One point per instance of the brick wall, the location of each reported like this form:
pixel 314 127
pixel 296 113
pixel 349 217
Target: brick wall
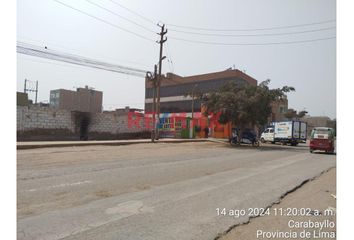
pixel 114 123
pixel 46 123
pixel 36 117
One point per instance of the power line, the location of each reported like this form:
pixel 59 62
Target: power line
pixel 118 15
pixel 51 52
pixel 169 56
pixel 63 47
pixel 49 61
pixel 211 29
pixel 75 59
pixel 255 35
pixel 104 21
pixel 252 29
pixel 252 44
pixel 135 13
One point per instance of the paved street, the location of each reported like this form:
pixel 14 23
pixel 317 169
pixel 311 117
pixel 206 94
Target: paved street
pixel 319 194
pixel 152 191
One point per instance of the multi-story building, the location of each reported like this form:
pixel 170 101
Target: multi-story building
pixel 82 100
pixel 279 108
pixel 176 91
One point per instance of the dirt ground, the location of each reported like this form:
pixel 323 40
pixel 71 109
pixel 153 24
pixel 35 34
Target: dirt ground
pixel 319 194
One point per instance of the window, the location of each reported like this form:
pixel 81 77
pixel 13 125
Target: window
pixel 54 95
pixel 322 131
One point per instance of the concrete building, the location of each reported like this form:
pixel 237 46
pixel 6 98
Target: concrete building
pixel 22 99
pixel 127 109
pixel 175 89
pixel 318 121
pixel 82 100
pixel 279 108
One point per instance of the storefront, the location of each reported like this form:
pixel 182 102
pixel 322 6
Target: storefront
pixel 175 125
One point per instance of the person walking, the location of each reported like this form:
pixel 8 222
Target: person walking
pixel 206 132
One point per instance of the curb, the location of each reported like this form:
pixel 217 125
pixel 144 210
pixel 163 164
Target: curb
pixel 102 143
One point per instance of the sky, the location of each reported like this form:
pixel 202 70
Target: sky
pixel 310 67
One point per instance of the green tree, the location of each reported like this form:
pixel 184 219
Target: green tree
pixel 293 114
pixel 244 105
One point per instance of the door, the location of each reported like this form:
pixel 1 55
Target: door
pixel 269 135
pixel 84 124
pixel 303 131
pixel 296 130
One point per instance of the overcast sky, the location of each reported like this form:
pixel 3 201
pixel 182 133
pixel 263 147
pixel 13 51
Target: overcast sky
pixel 310 67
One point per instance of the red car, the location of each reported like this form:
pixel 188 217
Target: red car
pixel 322 139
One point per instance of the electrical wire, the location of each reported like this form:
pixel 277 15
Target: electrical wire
pixel 73 56
pixel 135 13
pixel 104 21
pixel 253 29
pixel 118 15
pixel 249 29
pixel 254 35
pixel 78 60
pixel 251 44
pixel 169 56
pixel 63 47
pixel 49 61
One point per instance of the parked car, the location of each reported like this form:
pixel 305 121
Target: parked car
pixel 248 137
pixel 322 138
pixel 287 132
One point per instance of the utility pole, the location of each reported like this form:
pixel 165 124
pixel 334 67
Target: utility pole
pixel 29 89
pixel 159 77
pixel 153 79
pixel 154 82
pixel 192 122
pixel 24 89
pixel 36 91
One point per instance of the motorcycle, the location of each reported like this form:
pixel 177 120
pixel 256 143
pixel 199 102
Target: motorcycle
pixel 248 137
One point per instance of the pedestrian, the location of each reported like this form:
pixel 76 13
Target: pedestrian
pixel 206 132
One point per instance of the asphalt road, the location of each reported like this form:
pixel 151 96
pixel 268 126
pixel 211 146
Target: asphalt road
pixel 318 194
pixel 152 191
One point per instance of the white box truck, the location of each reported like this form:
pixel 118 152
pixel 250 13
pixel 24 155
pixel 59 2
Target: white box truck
pixel 292 132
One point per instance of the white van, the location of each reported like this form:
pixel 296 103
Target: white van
pixel 292 132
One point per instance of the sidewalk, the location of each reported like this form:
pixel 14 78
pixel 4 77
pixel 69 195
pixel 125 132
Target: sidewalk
pixel 45 144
